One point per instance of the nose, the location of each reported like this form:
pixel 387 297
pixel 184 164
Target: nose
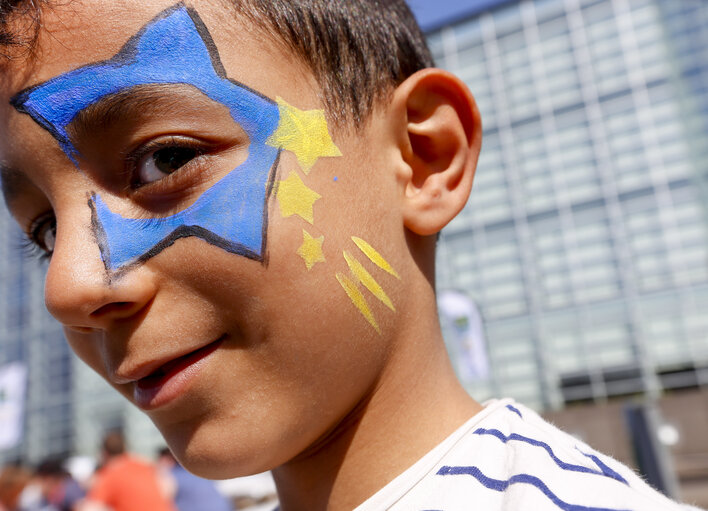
pixel 80 293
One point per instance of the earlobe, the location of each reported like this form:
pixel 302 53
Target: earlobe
pixel 439 148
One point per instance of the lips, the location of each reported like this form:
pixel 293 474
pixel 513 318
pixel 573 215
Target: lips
pixel 171 380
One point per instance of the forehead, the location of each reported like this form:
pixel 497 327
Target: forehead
pixel 78 32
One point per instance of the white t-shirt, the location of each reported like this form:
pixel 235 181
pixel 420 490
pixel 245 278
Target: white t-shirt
pixel 507 458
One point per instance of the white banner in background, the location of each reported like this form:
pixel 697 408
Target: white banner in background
pixel 462 320
pixel 13 384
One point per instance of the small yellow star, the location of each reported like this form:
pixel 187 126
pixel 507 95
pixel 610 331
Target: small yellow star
pixel 311 249
pixel 295 198
pixel 304 133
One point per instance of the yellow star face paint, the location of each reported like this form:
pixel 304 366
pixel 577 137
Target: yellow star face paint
pixel 295 198
pixel 304 133
pixel 311 249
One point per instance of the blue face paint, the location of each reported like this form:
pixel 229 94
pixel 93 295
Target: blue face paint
pixel 174 48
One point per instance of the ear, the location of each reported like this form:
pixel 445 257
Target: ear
pixel 439 144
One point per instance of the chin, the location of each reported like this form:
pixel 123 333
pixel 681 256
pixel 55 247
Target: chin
pixel 210 467
pixel 212 453
pixel 217 462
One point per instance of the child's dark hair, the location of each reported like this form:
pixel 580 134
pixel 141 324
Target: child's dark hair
pixel 358 50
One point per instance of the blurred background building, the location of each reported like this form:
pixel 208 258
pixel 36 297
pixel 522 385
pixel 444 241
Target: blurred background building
pixel 584 246
pixel 585 242
pixel 67 408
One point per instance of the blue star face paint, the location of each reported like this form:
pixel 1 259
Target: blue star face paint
pixel 174 48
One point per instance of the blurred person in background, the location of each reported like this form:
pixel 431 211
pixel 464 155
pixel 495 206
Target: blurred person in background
pixel 60 491
pixel 13 480
pixel 125 482
pixel 191 493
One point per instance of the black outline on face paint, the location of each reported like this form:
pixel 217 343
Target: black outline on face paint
pixel 186 231
pixel 127 52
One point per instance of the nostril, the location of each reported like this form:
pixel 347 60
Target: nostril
pixel 112 308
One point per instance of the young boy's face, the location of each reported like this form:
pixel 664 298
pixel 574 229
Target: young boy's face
pixel 222 256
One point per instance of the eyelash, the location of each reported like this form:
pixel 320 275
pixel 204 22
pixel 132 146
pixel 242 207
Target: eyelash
pixel 30 244
pixel 32 250
pixel 133 158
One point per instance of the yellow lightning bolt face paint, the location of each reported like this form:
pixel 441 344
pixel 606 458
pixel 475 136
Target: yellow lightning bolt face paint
pixel 357 299
pixel 304 133
pixel 311 249
pixel 295 198
pixel 374 256
pixel 367 280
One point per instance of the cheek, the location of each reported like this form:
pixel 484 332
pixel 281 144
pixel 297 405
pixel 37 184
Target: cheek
pixel 322 350
pixel 87 349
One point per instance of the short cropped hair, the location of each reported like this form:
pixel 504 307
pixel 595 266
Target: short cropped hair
pixel 357 50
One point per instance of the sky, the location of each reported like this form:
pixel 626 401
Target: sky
pixel 433 13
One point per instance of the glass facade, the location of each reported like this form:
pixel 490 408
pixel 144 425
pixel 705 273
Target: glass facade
pixel 585 241
pixel 68 407
pixel 29 335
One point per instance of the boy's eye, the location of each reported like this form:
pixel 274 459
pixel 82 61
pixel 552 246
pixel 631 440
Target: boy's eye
pixel 160 163
pixel 44 232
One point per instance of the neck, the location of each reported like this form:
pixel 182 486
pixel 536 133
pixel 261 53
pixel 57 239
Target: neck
pixel 415 405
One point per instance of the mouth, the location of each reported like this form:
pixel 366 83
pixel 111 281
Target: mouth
pixel 171 380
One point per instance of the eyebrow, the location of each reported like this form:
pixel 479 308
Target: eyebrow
pixel 129 104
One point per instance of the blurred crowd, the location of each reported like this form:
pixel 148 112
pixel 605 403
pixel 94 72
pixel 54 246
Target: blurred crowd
pixel 120 482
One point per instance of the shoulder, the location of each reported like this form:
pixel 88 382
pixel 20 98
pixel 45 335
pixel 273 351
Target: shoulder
pixel 508 458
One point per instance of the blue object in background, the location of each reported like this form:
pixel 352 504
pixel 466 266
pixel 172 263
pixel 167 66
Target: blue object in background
pixel 197 494
pixel 434 14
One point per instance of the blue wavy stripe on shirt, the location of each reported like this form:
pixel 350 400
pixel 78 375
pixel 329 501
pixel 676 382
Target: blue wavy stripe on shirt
pixel 562 464
pixel 605 469
pixel 515 410
pixel 501 485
